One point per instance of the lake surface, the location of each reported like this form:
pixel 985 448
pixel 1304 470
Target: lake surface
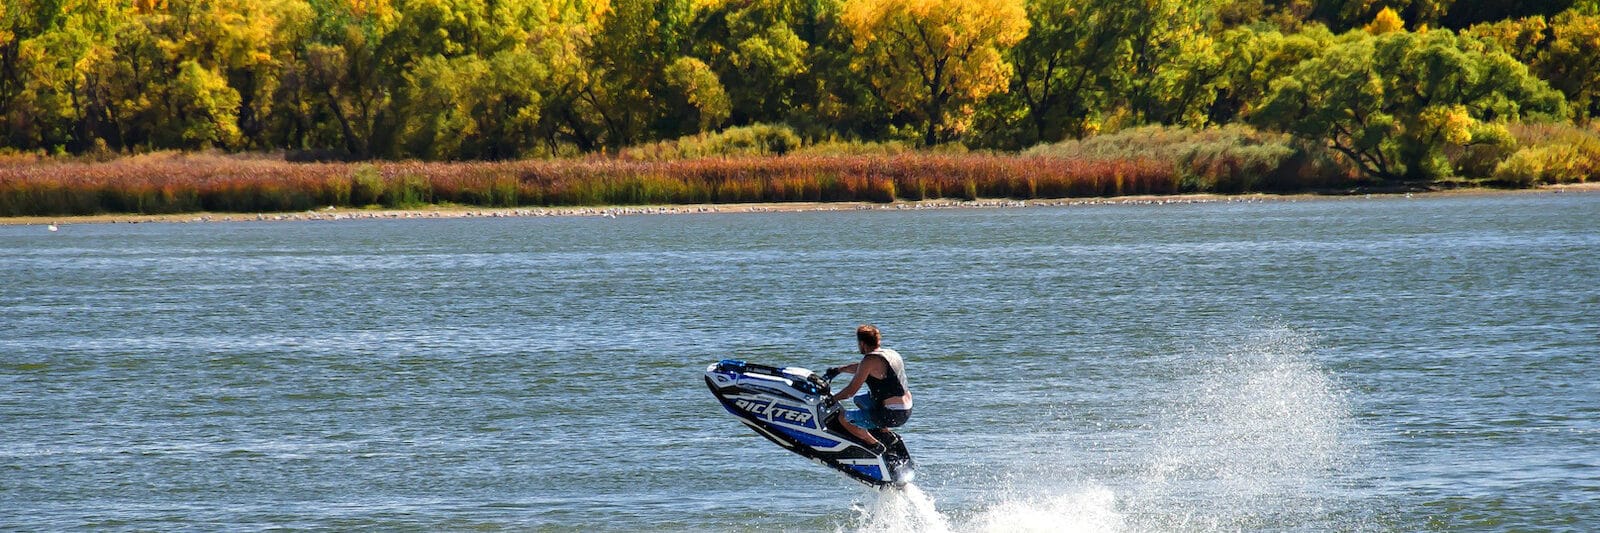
pixel 1353 364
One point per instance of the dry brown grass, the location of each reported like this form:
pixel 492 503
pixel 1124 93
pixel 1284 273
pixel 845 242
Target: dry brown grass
pixel 177 183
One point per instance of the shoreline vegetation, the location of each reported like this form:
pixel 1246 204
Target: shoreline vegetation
pixel 290 106
pixel 452 211
pixel 766 165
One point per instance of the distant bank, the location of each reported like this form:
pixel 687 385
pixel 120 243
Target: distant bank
pixel 180 184
pixel 331 214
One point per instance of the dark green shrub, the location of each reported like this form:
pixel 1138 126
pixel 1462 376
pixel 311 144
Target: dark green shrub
pixel 752 140
pixel 408 190
pixel 367 187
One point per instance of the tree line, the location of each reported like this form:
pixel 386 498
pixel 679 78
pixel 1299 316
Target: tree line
pixel 1393 85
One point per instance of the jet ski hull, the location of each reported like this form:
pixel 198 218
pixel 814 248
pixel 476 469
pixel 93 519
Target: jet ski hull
pixel 791 407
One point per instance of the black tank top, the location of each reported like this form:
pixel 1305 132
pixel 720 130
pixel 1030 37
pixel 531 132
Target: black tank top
pixel 887 387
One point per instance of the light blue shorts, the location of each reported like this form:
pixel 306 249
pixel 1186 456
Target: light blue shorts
pixel 873 415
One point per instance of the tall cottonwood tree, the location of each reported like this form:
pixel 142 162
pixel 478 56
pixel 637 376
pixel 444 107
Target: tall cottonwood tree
pixel 1172 61
pixel 53 54
pixel 474 78
pixel 1094 64
pixel 759 49
pixel 619 100
pixel 935 59
pixel 346 80
pixel 1067 66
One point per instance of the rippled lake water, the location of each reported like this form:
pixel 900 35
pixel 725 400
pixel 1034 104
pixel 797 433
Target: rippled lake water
pixel 1345 364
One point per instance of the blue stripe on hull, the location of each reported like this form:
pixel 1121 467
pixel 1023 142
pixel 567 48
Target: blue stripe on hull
pixel 806 438
pixel 869 471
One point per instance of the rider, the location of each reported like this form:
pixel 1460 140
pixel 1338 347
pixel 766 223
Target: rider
pixel 887 402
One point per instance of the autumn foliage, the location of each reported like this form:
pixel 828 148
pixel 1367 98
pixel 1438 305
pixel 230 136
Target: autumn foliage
pixel 935 59
pixel 617 94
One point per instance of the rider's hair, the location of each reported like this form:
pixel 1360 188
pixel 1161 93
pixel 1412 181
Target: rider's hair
pixel 868 335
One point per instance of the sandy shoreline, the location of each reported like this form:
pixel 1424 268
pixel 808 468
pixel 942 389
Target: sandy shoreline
pixel 451 212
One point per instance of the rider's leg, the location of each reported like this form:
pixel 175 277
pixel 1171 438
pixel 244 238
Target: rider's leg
pixel 859 421
pixel 860 434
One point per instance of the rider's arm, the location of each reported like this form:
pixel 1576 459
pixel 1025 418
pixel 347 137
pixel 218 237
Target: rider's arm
pixel 858 376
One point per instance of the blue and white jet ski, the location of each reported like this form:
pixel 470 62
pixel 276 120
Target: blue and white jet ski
pixel 791 407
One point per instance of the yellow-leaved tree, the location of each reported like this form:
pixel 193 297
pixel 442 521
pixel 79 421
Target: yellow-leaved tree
pixel 935 59
pixel 1572 61
pixel 1386 21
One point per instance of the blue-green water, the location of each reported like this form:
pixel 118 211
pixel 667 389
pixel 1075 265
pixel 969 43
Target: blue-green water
pixel 1353 364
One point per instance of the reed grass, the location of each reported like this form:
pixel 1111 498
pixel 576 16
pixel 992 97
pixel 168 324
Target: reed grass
pixel 1230 159
pixel 1550 153
pixel 178 183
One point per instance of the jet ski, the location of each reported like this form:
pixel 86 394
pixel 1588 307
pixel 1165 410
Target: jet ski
pixel 791 407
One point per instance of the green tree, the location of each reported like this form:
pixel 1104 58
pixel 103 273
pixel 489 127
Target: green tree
pixel 834 98
pixel 277 30
pixel 237 41
pixel 568 116
pixel 64 75
pixel 1103 64
pixel 508 104
pixel 344 79
pixel 1067 67
pixel 1393 102
pixel 1252 59
pixel 472 80
pixel 759 50
pixel 698 101
pixel 205 106
pixel 615 102
pixel 1173 62
pixel 19 22
pixel 438 115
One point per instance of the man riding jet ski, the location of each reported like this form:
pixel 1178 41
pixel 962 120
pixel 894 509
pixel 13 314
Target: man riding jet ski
pixel 793 407
pixel 887 402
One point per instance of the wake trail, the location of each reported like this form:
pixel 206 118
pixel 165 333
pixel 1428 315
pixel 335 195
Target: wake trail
pixel 1249 432
pixel 902 509
pixel 909 509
